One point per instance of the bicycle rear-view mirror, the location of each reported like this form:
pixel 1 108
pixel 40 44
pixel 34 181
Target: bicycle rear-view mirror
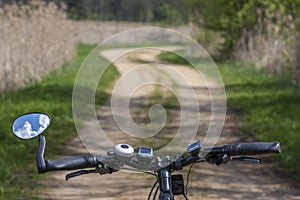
pixel 30 125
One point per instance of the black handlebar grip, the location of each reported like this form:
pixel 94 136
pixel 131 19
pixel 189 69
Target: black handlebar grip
pixel 72 163
pixel 254 148
pixel 40 161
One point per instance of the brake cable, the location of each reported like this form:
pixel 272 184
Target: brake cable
pixel 149 196
pixel 155 192
pixel 188 178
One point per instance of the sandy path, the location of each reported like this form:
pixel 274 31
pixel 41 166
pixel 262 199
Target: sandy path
pixel 231 181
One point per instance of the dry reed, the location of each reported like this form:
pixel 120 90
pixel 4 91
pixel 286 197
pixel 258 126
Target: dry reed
pixel 271 47
pixel 34 39
pixel 263 50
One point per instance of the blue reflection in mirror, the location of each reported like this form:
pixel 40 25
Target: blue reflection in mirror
pixel 30 125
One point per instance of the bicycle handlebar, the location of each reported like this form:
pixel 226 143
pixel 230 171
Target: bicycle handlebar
pixel 254 148
pixel 40 161
pixel 72 163
pixel 91 161
pixel 244 149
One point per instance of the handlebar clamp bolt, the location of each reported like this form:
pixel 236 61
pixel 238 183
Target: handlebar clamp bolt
pixel 110 153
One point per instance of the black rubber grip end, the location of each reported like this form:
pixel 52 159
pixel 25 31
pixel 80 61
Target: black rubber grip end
pixel 254 148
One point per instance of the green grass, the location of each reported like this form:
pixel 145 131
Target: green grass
pixel 52 95
pixel 271 109
pixel 269 106
pixel 172 57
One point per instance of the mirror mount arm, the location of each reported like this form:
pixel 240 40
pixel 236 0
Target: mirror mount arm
pixel 40 161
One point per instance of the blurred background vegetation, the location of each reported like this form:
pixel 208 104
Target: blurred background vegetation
pixel 169 11
pixel 254 42
pixel 261 32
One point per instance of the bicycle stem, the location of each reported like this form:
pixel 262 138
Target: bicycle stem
pixel 165 185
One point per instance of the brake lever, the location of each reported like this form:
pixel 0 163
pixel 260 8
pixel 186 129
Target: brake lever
pixel 248 159
pixel 79 173
pixel 218 160
pixel 101 169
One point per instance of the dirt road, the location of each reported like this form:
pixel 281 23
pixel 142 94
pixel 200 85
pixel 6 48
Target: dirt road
pixel 231 181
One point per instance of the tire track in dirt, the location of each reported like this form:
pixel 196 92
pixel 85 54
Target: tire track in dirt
pixel 232 181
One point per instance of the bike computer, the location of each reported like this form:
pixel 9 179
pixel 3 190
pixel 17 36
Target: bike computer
pixel 194 147
pixel 145 153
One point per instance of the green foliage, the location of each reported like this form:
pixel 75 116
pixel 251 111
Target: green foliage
pixel 172 57
pixel 231 18
pixel 169 15
pixel 52 95
pixel 168 12
pixel 76 9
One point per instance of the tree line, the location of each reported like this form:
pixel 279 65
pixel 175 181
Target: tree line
pixel 263 32
pixel 165 11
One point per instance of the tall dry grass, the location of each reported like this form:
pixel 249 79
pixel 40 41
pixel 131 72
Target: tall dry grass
pixel 34 39
pixel 270 46
pixel 261 49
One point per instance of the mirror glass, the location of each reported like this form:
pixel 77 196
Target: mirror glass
pixel 30 125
